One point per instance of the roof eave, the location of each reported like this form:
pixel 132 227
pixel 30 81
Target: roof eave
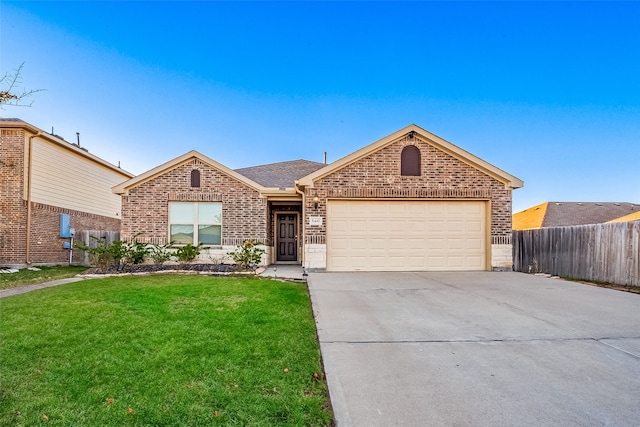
pixel 64 144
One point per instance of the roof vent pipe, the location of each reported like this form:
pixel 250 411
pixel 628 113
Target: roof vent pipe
pixel 325 157
pixel 78 137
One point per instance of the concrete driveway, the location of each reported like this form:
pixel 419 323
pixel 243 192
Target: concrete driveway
pixel 477 348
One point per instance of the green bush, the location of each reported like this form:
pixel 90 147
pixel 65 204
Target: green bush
pixel 189 252
pixel 102 255
pixel 247 255
pixel 160 253
pixel 116 253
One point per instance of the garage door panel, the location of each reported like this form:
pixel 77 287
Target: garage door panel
pixel 377 243
pixel 474 244
pixel 358 244
pixel 338 226
pixel 338 243
pixel 377 227
pixel 418 226
pixel 405 235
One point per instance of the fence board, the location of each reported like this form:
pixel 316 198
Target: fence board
pixel 89 238
pixel 599 252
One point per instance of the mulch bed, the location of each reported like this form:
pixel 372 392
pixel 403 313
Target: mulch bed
pixel 153 268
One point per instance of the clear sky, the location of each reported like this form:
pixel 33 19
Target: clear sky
pixel 548 91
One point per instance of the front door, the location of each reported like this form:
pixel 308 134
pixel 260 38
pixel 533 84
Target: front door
pixel 287 237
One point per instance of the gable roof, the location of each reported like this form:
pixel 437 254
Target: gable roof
pixel 124 187
pixel 282 174
pixel 532 217
pixel 434 140
pixel 559 214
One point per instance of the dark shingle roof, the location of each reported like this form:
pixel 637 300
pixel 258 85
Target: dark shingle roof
pixel 577 213
pixel 282 174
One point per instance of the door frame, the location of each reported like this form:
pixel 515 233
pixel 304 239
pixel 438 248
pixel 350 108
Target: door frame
pixel 276 236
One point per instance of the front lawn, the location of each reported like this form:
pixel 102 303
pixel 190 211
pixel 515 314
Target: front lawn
pixel 163 351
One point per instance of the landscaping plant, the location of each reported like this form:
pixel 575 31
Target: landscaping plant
pixel 247 255
pixel 189 252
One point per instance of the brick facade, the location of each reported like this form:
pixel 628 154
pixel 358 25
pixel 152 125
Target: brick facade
pixel 13 210
pixel 444 177
pixel 145 208
pixel 46 243
pixel 378 175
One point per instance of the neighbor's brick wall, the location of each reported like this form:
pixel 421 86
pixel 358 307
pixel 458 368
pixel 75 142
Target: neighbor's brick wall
pixel 46 243
pixel 13 211
pixel 443 177
pixel 145 209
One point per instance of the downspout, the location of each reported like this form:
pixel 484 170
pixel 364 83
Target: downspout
pixel 28 231
pixel 304 209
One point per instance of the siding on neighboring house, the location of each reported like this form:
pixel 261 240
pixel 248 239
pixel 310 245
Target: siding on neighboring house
pixel 64 178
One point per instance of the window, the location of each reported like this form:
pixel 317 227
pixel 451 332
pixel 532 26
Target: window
pixel 195 223
pixel 410 161
pixel 195 178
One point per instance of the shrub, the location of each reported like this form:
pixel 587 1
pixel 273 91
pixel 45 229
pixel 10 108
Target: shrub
pixel 189 252
pixel 160 253
pixel 247 255
pixel 116 253
pixel 101 255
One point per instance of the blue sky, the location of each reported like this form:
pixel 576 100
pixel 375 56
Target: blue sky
pixel 548 91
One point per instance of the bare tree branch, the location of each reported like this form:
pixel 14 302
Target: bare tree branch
pixel 9 92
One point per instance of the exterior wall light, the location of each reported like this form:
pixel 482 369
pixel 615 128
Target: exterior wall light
pixel 316 199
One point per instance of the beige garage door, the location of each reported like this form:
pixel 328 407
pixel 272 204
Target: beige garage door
pixel 405 235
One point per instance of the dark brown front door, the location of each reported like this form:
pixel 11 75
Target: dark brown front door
pixel 287 237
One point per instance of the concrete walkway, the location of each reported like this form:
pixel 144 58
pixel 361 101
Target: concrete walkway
pixel 284 271
pixel 477 349
pixel 29 288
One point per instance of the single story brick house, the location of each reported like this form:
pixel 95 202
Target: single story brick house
pixel 410 201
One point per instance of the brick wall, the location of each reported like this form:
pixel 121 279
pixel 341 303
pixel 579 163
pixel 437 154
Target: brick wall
pixel 46 243
pixel 13 212
pixel 145 209
pixel 443 177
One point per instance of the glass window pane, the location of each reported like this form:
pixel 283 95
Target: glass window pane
pixel 210 213
pixel 182 234
pixel 181 213
pixel 209 234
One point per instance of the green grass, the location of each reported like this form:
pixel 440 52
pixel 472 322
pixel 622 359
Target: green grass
pixel 177 350
pixel 27 277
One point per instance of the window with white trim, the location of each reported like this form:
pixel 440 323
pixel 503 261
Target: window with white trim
pixel 195 223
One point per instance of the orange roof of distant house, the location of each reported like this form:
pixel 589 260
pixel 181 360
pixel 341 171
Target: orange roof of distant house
pixel 560 214
pixel 635 216
pixel 530 218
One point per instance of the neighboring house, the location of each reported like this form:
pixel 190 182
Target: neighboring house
pixel 559 214
pixel 628 218
pixel 410 201
pixel 48 186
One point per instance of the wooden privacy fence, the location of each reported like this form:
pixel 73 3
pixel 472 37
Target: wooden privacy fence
pixel 599 252
pixel 84 237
